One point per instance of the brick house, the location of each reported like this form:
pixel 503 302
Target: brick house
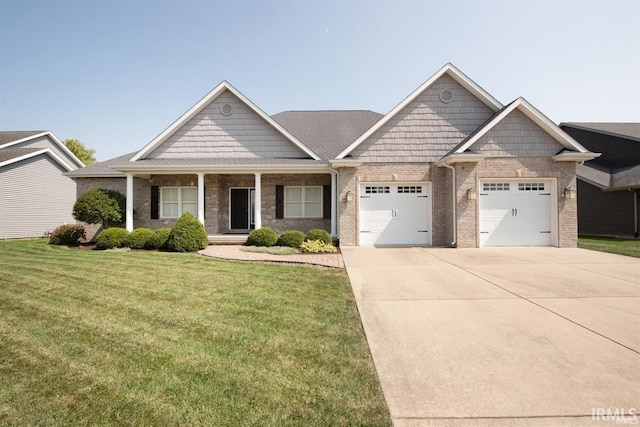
pixel 448 166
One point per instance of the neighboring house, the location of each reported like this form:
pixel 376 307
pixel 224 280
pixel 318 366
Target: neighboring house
pixel 449 165
pixel 35 196
pixel 608 186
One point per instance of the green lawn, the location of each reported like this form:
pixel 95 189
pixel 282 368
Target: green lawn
pixel 629 247
pixel 136 338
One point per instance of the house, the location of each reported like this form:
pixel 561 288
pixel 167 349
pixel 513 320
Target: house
pixel 448 166
pixel 35 196
pixel 608 186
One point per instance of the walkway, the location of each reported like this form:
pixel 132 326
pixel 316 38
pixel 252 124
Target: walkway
pixel 234 252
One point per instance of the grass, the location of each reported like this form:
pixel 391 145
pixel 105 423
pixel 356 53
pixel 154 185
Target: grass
pixel 273 250
pixel 136 338
pixel 629 247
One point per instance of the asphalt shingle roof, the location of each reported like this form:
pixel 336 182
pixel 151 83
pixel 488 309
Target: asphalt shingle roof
pixel 12 153
pixel 10 136
pixel 626 130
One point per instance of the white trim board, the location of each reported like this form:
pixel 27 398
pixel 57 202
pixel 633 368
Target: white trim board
pixel 53 138
pixel 47 151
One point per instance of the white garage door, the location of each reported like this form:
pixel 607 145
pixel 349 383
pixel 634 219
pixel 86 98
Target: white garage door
pixel 395 214
pixel 515 213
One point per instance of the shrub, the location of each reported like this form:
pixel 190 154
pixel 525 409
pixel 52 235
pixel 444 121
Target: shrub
pixel 139 237
pixel 68 234
pixel 262 237
pixel 100 206
pixel 159 239
pixel 112 238
pixel 187 235
pixel 317 247
pixel 319 234
pixel 291 238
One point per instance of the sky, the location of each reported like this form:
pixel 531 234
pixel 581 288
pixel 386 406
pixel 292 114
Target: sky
pixel 116 73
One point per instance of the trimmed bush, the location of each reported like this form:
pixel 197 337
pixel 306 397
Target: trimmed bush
pixel 317 247
pixel 112 238
pixel 291 238
pixel 187 235
pixel 139 237
pixel 68 234
pixel 262 237
pixel 100 206
pixel 319 234
pixel 159 239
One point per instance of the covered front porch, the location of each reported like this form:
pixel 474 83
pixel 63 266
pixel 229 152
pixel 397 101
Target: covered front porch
pixel 233 202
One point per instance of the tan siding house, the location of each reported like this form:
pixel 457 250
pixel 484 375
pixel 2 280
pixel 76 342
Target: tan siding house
pixel 448 166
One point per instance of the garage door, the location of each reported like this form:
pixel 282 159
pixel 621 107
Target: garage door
pixel 515 213
pixel 395 214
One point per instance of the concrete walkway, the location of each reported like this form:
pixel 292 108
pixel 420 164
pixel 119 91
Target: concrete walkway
pixel 504 336
pixel 234 252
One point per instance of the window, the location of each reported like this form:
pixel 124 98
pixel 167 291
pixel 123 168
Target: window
pixel 495 186
pixel 174 201
pixel 376 189
pixel 303 202
pixel 531 186
pixel 410 189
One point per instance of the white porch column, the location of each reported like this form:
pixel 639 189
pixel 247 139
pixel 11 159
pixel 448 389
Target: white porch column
pixel 257 214
pixel 201 198
pixel 129 204
pixel 334 205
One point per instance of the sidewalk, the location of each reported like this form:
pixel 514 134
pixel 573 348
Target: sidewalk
pixel 233 252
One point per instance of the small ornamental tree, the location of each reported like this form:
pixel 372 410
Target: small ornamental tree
pixel 100 206
pixel 187 235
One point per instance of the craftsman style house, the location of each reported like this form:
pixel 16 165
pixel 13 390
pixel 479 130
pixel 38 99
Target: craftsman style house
pixel 449 165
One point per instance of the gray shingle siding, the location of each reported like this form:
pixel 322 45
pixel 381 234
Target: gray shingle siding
pixel 517 136
pixel 427 128
pixel 243 134
pixel 34 197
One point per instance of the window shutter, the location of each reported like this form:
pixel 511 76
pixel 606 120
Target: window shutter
pixel 279 201
pixel 204 202
pixel 326 201
pixel 155 201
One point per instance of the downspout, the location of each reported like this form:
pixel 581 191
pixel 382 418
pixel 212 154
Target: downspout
pixel 454 200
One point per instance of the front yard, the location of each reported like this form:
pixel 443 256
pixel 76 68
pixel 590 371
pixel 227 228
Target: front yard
pixel 135 338
pixel 629 247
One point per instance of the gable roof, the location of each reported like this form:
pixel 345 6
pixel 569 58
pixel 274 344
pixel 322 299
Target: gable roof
pixel 102 169
pixel 532 113
pixel 10 156
pixel 327 132
pixel 206 100
pixel 450 70
pixel 11 138
pixel 623 130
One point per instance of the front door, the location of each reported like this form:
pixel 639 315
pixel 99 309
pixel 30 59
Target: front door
pixel 241 208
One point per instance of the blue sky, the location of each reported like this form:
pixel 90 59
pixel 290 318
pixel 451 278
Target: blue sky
pixel 115 73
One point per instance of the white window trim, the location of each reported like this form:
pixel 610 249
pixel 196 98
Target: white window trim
pixel 304 192
pixel 180 210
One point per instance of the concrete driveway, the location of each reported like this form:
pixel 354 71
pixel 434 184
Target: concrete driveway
pixel 504 336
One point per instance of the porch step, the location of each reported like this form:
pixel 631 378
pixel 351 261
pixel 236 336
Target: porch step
pixel 227 239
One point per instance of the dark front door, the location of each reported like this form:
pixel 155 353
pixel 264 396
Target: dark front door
pixel 241 209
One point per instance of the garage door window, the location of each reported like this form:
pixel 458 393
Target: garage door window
pixel 303 202
pixel 531 186
pixel 410 189
pixel 381 189
pixel 495 186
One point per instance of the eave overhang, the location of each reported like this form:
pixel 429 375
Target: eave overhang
pixel 461 158
pixel 574 156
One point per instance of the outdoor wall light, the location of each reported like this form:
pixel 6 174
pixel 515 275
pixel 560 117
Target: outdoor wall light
pixel 471 194
pixel 349 196
pixel 569 193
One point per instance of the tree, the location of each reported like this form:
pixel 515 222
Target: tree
pixel 100 206
pixel 86 155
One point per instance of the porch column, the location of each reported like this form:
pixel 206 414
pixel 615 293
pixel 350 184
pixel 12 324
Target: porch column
pixel 334 205
pixel 201 198
pixel 257 214
pixel 129 204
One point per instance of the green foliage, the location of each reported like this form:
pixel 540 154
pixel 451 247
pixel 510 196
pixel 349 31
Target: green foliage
pixel 187 235
pixel 291 238
pixel 317 247
pixel 68 234
pixel 100 205
pixel 319 234
pixel 86 155
pixel 112 238
pixel 262 237
pixel 159 239
pixel 139 237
